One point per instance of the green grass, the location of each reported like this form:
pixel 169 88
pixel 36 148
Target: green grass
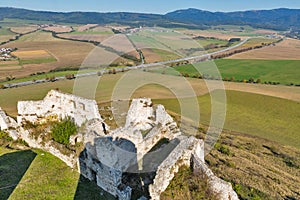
pixel 11 22
pixel 264 116
pixel 47 75
pixel 282 71
pixel 37 61
pixel 36 174
pixel 5 31
pixel 205 42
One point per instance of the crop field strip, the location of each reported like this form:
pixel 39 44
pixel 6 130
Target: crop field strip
pixel 289 49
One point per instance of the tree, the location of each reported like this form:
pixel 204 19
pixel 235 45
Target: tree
pixel 61 131
pixel 69 76
pixel 251 80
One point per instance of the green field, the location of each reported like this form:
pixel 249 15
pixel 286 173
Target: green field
pixel 5 31
pixel 282 71
pixel 267 117
pixel 207 41
pixel 37 61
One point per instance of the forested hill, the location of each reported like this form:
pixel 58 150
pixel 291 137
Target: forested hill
pixel 281 19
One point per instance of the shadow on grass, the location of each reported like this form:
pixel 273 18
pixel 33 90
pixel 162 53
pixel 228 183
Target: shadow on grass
pixel 87 189
pixel 12 168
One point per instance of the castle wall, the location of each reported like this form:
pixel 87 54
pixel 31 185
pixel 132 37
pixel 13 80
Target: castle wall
pixel 180 156
pixel 60 105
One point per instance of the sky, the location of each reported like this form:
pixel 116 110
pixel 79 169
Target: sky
pixel 148 6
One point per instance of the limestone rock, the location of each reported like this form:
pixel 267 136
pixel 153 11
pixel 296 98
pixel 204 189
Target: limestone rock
pixel 6 122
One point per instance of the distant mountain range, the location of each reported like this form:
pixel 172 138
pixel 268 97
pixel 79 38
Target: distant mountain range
pixel 279 19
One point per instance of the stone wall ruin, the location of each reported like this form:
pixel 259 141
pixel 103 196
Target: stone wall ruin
pixel 143 155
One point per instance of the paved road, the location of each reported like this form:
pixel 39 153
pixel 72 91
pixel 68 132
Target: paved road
pixel 20 84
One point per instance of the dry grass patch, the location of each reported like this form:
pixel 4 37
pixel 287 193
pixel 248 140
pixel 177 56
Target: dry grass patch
pixel 289 49
pixel 86 27
pixel 257 168
pixel 59 29
pixel 5 38
pixel 24 29
pixel 122 44
pixel 203 33
pixel 86 37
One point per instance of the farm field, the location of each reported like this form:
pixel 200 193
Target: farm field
pixel 258 41
pixel 289 49
pixel 6 34
pixel 86 27
pixel 59 29
pixel 282 71
pixel 86 37
pixel 253 114
pixel 247 112
pixel 34 57
pixel 12 22
pixel 24 29
pixel 93 29
pixel 108 82
pixel 57 48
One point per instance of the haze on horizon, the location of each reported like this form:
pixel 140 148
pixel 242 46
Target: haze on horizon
pixel 155 6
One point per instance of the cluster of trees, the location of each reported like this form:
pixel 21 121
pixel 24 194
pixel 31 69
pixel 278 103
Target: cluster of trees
pixel 37 73
pixel 231 79
pixel 69 76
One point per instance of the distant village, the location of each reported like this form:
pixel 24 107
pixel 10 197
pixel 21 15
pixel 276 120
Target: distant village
pixel 5 54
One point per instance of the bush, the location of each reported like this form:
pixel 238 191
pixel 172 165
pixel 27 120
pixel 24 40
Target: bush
pixel 61 131
pixel 69 76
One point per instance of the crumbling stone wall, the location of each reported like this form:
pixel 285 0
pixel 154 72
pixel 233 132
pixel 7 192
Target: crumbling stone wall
pixel 110 155
pixel 221 188
pixel 60 105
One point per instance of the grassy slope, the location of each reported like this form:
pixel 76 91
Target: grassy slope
pixel 267 117
pixel 39 175
pixel 283 71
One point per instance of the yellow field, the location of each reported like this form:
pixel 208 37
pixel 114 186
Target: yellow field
pixel 289 49
pixel 32 54
pixel 258 41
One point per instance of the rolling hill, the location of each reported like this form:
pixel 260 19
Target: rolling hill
pixel 280 19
